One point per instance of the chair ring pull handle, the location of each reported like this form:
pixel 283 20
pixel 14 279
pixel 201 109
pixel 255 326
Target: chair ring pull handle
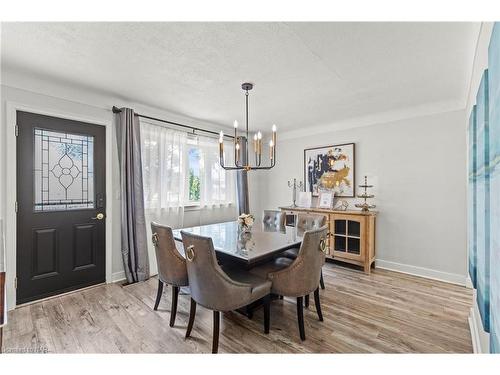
pixel 322 245
pixel 154 237
pixel 190 253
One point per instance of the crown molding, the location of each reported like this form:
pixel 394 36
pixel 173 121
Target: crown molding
pixel 53 87
pixel 376 119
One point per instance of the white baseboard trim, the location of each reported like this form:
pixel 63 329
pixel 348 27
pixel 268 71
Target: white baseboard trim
pixel 428 273
pixel 480 338
pixel 117 276
pixel 468 283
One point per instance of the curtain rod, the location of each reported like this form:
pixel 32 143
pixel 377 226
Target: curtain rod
pixel 193 128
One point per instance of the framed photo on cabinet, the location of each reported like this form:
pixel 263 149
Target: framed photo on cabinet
pixel 325 199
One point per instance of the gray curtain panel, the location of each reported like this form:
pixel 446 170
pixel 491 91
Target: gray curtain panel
pixel 242 183
pixel 133 223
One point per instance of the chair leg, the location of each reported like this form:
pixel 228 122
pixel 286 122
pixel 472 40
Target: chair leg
pixel 249 312
pixel 318 304
pixel 158 294
pixel 173 310
pixel 300 318
pixel 215 337
pixel 192 313
pixel 267 313
pixel 307 301
pixel 321 281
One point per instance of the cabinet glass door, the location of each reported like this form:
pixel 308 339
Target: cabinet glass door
pixel 347 236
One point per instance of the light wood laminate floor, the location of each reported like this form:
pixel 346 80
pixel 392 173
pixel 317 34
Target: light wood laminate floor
pixel 382 312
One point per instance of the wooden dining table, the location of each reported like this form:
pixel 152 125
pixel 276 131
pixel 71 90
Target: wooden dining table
pixel 247 249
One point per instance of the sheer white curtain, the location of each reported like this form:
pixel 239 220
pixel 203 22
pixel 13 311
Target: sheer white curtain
pixel 218 186
pixel 163 166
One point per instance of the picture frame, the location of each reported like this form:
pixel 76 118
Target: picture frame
pixel 325 199
pixel 330 168
pixel 305 199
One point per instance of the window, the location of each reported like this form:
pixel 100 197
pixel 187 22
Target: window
pixel 207 183
pixel 180 171
pixel 194 188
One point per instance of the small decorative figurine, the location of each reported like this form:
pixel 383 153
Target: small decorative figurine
pixel 341 205
pixel 365 206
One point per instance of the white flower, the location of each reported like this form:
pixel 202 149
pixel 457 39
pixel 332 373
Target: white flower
pixel 246 220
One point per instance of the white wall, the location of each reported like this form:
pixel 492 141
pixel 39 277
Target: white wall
pixel 417 166
pixel 79 102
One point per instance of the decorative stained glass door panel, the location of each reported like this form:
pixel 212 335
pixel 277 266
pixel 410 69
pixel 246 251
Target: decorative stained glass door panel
pixel 63 173
pixel 61 216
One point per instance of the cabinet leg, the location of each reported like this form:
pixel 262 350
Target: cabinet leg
pixel 367 268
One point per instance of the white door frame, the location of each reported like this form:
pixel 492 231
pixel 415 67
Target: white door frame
pixel 11 189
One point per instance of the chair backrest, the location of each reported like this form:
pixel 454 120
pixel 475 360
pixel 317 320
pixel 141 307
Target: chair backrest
pixel 310 221
pixel 171 264
pixel 302 276
pixel 210 286
pixel 274 220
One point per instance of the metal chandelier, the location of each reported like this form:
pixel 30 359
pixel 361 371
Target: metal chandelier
pixel 241 154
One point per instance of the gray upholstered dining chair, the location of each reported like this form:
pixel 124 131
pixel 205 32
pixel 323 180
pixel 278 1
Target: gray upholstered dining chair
pixel 274 221
pixel 299 277
pixel 217 289
pixel 307 222
pixel 171 265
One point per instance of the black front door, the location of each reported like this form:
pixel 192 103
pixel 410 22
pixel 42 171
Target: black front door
pixel 61 205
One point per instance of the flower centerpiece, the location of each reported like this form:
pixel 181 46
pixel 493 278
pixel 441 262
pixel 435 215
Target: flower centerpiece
pixel 245 222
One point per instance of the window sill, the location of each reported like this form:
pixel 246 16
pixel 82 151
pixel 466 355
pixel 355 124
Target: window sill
pixel 197 207
pixel 192 207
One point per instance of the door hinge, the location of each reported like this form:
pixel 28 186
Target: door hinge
pixel 15 282
pixel 16 207
pixel 17 130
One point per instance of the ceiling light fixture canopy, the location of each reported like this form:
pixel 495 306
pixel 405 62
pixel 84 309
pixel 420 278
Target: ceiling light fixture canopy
pixel 241 144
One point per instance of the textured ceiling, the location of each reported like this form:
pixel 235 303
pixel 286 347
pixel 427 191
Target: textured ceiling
pixel 305 74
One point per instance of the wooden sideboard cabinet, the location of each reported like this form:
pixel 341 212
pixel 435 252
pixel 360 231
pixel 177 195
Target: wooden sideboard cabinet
pixel 351 234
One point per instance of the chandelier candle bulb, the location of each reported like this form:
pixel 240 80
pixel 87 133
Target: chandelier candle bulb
pixel 237 152
pixel 221 144
pixel 255 143
pixel 259 138
pixel 271 149
pixel 274 134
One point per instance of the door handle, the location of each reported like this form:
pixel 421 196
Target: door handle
pixel 99 216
